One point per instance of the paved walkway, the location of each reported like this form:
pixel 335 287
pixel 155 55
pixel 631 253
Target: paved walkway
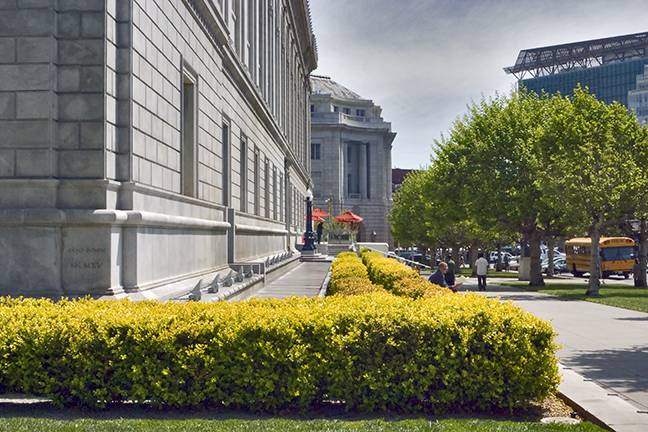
pixel 605 344
pixel 305 280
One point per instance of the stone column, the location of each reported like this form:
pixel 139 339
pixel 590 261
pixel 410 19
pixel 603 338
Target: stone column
pixel 344 150
pixel 362 169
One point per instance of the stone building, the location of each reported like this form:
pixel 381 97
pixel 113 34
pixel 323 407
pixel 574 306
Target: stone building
pixel 148 142
pixel 351 156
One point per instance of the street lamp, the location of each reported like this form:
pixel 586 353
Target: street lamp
pixel 309 238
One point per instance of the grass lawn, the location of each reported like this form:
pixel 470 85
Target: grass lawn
pixel 626 297
pixel 29 424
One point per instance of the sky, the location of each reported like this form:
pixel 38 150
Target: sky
pixel 424 61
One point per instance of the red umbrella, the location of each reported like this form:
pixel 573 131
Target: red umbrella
pixel 319 213
pixel 349 217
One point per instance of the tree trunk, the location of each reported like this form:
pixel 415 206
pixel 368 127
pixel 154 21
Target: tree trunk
pixel 550 256
pixel 498 265
pixel 643 254
pixel 535 277
pixel 595 267
pixel 472 258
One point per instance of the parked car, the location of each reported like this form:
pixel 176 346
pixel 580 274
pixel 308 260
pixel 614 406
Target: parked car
pixel 492 257
pixel 560 265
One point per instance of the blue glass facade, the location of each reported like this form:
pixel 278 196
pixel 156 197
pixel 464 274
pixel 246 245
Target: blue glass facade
pixel 609 82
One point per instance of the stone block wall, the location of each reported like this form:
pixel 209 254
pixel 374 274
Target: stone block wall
pixel 91 150
pixel 80 78
pixel 27 101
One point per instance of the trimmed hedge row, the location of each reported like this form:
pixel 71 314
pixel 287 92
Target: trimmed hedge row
pixel 349 276
pixel 398 278
pixel 373 352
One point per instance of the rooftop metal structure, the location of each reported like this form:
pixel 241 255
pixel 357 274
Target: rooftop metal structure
pixel 555 59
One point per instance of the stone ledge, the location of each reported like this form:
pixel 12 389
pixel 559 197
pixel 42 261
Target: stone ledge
pixel 56 217
pixel 260 229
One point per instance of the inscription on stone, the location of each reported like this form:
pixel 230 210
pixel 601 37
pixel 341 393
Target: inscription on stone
pixel 81 258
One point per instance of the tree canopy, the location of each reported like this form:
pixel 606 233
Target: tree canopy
pixel 528 165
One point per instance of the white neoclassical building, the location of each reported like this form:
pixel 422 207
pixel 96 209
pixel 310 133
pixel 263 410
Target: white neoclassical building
pixel 351 156
pixel 147 142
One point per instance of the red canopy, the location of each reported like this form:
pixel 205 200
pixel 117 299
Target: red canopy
pixel 348 217
pixel 319 213
pixel 318 219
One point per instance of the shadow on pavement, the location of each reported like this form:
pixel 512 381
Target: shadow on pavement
pixel 624 368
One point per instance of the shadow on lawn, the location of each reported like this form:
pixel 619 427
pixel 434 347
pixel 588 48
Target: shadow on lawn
pixel 326 412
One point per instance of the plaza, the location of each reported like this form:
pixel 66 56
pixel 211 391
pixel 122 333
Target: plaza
pixel 164 166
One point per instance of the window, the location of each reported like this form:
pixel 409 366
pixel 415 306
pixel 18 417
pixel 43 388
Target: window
pixel 267 187
pixel 312 108
pixel 336 108
pixel 623 253
pixel 346 110
pixel 315 151
pixel 360 112
pixel 188 148
pixel 225 154
pixel 281 198
pixel 349 153
pixel 274 193
pixel 257 183
pixel 244 173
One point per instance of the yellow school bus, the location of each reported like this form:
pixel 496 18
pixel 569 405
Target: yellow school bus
pixel 617 255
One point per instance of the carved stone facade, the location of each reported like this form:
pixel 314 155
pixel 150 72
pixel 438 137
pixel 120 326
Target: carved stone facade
pixel 146 142
pixel 351 156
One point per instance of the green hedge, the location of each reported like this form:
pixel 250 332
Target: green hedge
pixel 373 352
pixel 398 278
pixel 349 276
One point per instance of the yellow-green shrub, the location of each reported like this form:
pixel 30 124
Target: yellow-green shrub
pixel 347 265
pixel 355 286
pixel 416 287
pixel 386 271
pixel 373 352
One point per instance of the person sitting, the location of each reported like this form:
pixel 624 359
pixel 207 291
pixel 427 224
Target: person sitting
pixel 439 277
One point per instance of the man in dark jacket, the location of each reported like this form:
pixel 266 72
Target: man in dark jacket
pixel 439 277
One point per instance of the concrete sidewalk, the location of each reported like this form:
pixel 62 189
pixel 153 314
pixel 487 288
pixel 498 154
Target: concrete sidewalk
pixel 305 280
pixel 604 344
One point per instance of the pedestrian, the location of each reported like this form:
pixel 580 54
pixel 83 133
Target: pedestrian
pixel 636 272
pixel 482 269
pixel 320 231
pixel 450 274
pixel 439 277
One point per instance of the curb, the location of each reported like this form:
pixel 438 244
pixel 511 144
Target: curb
pixel 599 405
pixel 324 287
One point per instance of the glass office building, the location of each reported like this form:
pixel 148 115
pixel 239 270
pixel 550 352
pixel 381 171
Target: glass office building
pixel 609 82
pixel 608 67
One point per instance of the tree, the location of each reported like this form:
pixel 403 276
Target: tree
pixel 593 176
pixel 496 150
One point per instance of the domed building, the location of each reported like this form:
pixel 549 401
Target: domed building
pixel 351 156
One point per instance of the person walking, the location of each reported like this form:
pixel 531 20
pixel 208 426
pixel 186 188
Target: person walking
pixel 450 274
pixel 320 231
pixel 482 269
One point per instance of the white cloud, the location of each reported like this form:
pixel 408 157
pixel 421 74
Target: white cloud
pixel 424 60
